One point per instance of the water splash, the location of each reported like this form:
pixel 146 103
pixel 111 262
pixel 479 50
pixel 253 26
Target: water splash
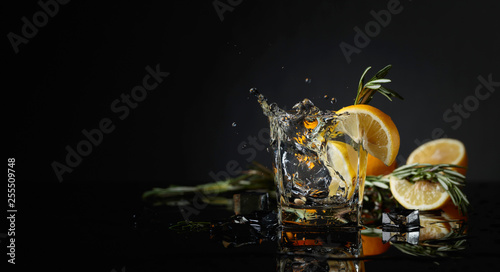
pixel 300 140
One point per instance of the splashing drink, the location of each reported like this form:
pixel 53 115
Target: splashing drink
pixel 319 169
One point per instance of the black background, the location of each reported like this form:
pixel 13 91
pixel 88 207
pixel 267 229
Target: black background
pixel 66 77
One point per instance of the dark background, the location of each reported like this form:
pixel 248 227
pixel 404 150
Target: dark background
pixel 67 76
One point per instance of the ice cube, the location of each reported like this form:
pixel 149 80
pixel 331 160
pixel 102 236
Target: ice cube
pixel 310 178
pixel 249 202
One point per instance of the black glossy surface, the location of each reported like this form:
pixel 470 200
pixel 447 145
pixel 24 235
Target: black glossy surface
pixel 107 228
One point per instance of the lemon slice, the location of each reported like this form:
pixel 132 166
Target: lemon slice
pixel 433 228
pixel 344 160
pixel 371 128
pixel 439 151
pixel 421 195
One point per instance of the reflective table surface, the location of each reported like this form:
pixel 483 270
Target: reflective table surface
pixel 112 229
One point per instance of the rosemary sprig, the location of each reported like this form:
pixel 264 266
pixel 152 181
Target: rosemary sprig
pixel 366 91
pixel 440 250
pixel 451 181
pixel 454 242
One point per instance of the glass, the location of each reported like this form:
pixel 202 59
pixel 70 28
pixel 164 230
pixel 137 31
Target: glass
pixel 319 170
pixel 318 250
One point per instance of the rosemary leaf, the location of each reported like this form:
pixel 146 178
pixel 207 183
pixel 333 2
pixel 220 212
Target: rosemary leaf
pixel 383 72
pixel 442 181
pixel 386 95
pixel 380 185
pixel 389 92
pixel 372 86
pixel 382 80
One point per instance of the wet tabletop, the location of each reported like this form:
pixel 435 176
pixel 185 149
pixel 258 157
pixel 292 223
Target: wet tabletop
pixel 110 227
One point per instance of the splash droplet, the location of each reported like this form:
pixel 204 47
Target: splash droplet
pixel 308 80
pixel 325 96
pixel 333 100
pixel 233 124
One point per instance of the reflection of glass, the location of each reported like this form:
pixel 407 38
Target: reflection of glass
pixel 317 250
pixel 319 170
pixel 318 263
pixel 438 234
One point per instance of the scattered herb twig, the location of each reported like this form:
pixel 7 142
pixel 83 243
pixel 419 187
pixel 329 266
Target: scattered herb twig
pixel 188 226
pixel 256 177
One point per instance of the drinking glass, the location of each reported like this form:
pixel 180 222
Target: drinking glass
pixel 319 170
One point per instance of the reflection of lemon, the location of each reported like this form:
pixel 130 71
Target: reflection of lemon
pixel 344 160
pixel 433 228
pixel 441 151
pixel 373 129
pixel 422 195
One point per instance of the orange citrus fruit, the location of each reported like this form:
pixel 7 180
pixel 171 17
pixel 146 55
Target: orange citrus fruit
pixel 375 167
pixel 450 211
pixel 420 195
pixel 439 151
pixel 373 129
pixel 373 245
